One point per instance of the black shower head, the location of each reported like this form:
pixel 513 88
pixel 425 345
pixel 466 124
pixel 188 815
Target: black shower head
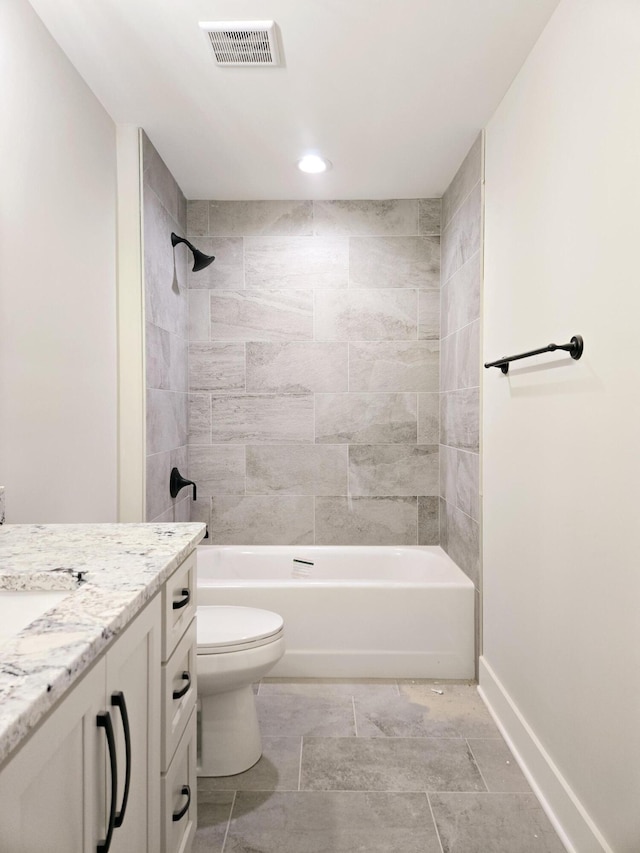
pixel 200 260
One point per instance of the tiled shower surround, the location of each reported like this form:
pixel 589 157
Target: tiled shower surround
pixel 314 371
pixel 460 367
pixel 166 331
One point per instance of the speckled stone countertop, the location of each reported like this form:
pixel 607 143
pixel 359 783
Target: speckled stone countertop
pixel 111 572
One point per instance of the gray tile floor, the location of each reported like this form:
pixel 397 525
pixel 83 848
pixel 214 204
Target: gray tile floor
pixel 374 766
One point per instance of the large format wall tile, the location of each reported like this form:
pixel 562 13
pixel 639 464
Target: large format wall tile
pixel 464 181
pixel 462 236
pixel 366 521
pixel 393 469
pixel 460 358
pixel 312 337
pixel 199 418
pixel 429 215
pixel 460 365
pixel 197 218
pixel 428 520
pixel 394 262
pixel 254 218
pixel 158 178
pixel 166 420
pixel 262 418
pixel 166 362
pixel 366 418
pixel 428 418
pixel 165 275
pixel 297 262
pixel 366 315
pixel 460 479
pixel 262 315
pixel 199 318
pixel 411 366
pixel 428 315
pixel 397 217
pixel 296 368
pixel 158 498
pixel 461 296
pixel 216 367
pixel 460 538
pixel 226 272
pixel 218 469
pixel 318 470
pixel 251 520
pixel 460 419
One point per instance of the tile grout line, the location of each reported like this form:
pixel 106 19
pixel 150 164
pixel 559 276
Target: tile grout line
pixel 455 272
pixel 300 765
pixel 475 761
pixel 433 818
pixel 355 721
pixel 460 329
pixel 233 802
pixel 458 208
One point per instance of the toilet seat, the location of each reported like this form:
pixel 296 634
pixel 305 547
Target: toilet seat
pixel 222 628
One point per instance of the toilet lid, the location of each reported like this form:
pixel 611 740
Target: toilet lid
pixel 224 628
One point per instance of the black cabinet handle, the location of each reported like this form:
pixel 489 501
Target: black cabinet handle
pixel 117 700
pixel 186 792
pixel 184 601
pixel 103 720
pixel 186 676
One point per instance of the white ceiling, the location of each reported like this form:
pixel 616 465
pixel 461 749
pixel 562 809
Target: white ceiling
pixel 393 92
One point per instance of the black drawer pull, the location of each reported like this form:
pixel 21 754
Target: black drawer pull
pixel 183 602
pixel 118 701
pixel 186 676
pixel 103 721
pixel 186 792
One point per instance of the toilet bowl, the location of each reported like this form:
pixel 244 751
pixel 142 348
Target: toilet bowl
pixel 236 647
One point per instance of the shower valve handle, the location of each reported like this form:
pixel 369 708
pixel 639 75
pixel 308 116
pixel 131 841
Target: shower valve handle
pixel 178 482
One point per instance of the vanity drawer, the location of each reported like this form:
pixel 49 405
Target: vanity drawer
pixel 178 604
pixel 178 692
pixel 180 794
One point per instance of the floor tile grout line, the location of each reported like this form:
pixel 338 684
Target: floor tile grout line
pixel 433 818
pixel 355 720
pixel 233 802
pixel 300 765
pixel 475 761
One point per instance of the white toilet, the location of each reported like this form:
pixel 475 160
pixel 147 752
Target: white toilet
pixel 236 647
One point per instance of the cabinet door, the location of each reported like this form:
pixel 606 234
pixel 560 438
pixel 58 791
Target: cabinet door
pixel 50 790
pixel 133 694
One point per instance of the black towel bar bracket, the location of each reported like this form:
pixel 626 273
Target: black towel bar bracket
pixel 575 348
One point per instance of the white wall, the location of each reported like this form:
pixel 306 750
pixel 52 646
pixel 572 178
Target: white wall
pixel 57 283
pixel 561 460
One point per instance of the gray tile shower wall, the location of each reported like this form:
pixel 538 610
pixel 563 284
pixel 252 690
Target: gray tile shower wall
pixel 166 337
pixel 460 364
pixel 314 362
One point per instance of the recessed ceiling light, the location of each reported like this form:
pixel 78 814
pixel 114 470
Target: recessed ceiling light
pixel 313 164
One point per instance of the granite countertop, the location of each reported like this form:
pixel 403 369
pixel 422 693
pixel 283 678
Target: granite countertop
pixel 111 572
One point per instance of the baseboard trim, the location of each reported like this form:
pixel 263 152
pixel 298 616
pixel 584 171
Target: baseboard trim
pixel 570 819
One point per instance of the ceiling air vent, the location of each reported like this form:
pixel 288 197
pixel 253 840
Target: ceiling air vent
pixel 243 42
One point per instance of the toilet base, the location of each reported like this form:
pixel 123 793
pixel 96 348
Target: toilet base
pixel 230 736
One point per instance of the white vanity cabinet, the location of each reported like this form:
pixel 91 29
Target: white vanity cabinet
pixel 178 747
pixel 57 792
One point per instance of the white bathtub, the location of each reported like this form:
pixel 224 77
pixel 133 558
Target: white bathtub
pixel 357 611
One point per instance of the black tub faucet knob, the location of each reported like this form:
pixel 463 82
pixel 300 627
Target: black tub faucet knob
pixel 178 482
